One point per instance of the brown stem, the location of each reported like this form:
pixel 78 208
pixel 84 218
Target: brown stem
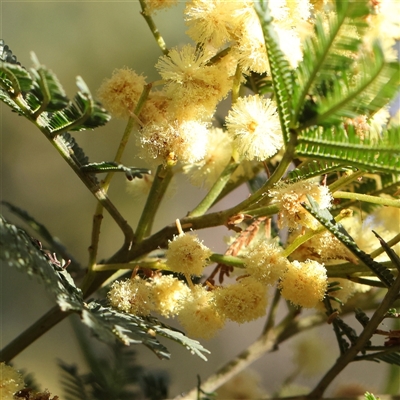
pixel 41 326
pixel 365 336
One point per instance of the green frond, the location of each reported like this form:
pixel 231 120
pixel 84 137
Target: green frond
pixel 111 325
pixel 312 168
pixel 73 384
pixel 345 147
pixel 259 83
pixel 6 99
pixel 84 113
pixel 281 72
pixel 39 96
pixel 108 166
pixel 6 54
pixel 53 242
pixel 330 50
pixel 14 79
pixel 20 251
pixel 76 151
pixel 363 90
pixel 48 90
pixel 326 219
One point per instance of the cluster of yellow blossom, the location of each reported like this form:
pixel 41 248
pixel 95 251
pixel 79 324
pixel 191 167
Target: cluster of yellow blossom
pixel 290 196
pixel 203 310
pixel 11 381
pixel 175 122
pixel 137 296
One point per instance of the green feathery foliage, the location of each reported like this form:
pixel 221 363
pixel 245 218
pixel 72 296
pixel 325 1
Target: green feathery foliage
pixel 20 251
pixel 24 253
pixel 53 242
pixel 313 168
pixel 39 96
pixel 339 145
pixel 327 220
pixel 327 53
pixel 281 71
pixel 110 166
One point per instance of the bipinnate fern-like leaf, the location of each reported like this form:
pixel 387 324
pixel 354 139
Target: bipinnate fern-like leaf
pixel 41 230
pixel 344 146
pixel 281 71
pixel 24 253
pixel 329 51
pixel 313 168
pixel 81 114
pixel 108 166
pixel 48 89
pixel 73 383
pixel 39 96
pixel 6 54
pixel 110 325
pixel 327 220
pixel 20 251
pixel 361 90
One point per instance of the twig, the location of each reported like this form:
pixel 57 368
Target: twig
pixel 162 178
pixel 215 191
pixel 364 337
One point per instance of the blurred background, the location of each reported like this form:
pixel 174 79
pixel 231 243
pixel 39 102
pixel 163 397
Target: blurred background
pixel 91 39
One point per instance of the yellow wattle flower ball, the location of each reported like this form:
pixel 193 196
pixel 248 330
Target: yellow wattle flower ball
pixel 265 263
pixel 199 316
pixel 290 196
pixel 133 296
pixel 253 123
pixel 187 255
pixel 11 381
pixel 168 294
pixel 304 283
pixel 243 301
pixel 120 93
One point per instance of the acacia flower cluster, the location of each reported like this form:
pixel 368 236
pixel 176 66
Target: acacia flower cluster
pixel 290 197
pixel 176 125
pixel 11 381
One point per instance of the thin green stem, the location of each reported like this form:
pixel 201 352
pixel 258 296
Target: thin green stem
pixel 263 211
pixel 227 260
pixel 362 340
pixel 160 184
pixel 98 215
pixel 157 265
pixel 390 243
pixel 150 22
pixel 383 201
pixel 236 84
pixel 307 236
pixel 345 180
pixel 215 191
pixel 348 269
pixel 94 187
pixel 272 312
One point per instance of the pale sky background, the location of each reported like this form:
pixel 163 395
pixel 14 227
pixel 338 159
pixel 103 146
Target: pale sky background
pixel 91 39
